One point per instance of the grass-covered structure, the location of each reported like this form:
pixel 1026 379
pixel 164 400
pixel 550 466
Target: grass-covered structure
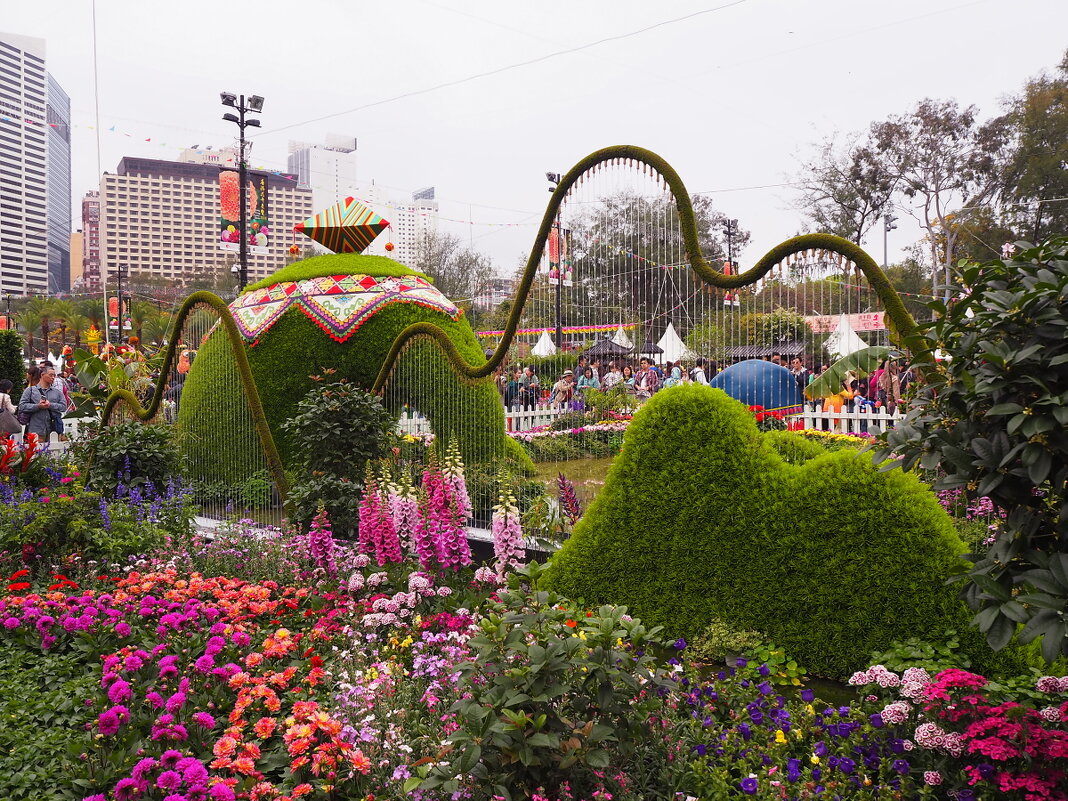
pixel 701 518
pixel 214 421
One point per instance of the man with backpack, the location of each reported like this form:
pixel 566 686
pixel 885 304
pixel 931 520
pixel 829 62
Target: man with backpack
pixel 42 405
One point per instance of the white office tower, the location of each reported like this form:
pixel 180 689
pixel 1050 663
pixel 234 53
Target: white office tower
pixel 35 197
pixel 328 170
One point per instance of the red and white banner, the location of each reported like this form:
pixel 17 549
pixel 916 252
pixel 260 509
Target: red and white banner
pixel 869 321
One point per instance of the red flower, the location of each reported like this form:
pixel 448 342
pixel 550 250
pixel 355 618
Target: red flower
pixel 20 585
pixel 19 574
pixel 570 623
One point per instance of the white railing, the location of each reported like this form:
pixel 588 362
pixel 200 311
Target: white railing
pixel 858 421
pixel 515 419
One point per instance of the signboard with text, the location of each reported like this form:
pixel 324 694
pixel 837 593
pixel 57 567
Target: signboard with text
pixel 826 324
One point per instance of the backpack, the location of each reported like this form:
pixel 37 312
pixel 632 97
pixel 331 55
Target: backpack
pixel 24 417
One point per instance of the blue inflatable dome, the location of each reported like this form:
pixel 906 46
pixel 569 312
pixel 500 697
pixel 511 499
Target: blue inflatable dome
pixel 759 383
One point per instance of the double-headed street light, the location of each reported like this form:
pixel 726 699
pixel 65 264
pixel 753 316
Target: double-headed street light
pixel 255 106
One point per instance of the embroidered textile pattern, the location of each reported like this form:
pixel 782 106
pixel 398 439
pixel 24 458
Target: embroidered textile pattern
pixel 338 304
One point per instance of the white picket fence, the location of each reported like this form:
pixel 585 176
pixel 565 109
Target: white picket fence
pixel 515 419
pixel 858 421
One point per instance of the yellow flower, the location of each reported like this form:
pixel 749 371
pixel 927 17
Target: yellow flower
pixel 810 710
pixel 780 737
pixel 406 642
pixel 815 760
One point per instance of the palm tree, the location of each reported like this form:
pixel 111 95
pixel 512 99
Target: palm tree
pixel 141 314
pixel 29 319
pixel 78 324
pixel 62 311
pixel 92 309
pixel 40 309
pixel 156 330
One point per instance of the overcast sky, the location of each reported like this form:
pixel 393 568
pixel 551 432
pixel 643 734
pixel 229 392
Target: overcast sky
pixel 732 96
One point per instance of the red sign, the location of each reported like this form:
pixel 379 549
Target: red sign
pixel 869 321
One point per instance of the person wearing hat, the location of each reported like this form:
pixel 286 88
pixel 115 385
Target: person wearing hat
pixel 563 389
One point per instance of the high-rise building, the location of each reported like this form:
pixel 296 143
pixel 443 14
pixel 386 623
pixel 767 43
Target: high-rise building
pixel 91 240
pixel 161 219
pixel 57 182
pixel 25 236
pixel 328 170
pixel 77 258
pixel 412 222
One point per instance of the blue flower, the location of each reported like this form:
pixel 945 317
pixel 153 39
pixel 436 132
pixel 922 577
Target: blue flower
pixel 764 670
pixel 901 766
pixel 680 644
pixel 749 786
pixel 876 720
pixel 700 749
pixel 807 696
pixel 846 765
pixel 821 749
pixel 742 662
pixel 986 771
pixel 765 688
pixel 745 731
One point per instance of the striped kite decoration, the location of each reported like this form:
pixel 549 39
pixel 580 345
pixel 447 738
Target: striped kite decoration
pixel 346 227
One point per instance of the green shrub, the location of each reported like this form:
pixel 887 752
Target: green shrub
pixel 556 696
pixel 568 421
pixel 793 447
pixel 12 367
pixel 717 642
pixel 131 455
pixel 700 519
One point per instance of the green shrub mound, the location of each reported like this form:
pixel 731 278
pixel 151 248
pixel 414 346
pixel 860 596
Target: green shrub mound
pixel 793 448
pixel 700 519
pixel 212 407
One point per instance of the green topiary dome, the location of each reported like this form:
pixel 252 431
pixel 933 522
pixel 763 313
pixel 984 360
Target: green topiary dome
pixel 700 518
pixel 292 348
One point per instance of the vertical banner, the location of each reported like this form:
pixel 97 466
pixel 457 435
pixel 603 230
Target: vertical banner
pixel 259 229
pixel 560 256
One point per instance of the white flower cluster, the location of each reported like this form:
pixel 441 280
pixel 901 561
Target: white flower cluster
pixel 876 674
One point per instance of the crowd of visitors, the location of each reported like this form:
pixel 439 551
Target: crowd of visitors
pixel 521 387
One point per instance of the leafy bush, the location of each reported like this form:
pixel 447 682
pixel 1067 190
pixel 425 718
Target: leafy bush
pixel 11 365
pixel 568 421
pixel 994 420
pixel 700 519
pixel 336 430
pixel 555 695
pixel 717 642
pixel 130 455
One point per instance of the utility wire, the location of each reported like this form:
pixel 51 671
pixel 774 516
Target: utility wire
pixel 506 68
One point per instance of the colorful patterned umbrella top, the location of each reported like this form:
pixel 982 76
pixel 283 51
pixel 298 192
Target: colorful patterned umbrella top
pixel 346 227
pixel 338 304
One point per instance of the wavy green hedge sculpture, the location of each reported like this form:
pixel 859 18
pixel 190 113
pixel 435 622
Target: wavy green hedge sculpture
pixel 700 518
pixel 295 349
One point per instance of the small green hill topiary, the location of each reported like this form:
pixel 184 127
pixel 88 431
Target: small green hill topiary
pixel 700 518
pixel 793 447
pixel 294 349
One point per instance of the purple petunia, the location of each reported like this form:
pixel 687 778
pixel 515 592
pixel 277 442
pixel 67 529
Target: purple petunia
pixel 749 785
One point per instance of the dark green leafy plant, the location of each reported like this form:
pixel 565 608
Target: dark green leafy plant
pixel 130 454
pixel 11 365
pixel 335 430
pixel 993 418
pixel 555 695
pixel 934 655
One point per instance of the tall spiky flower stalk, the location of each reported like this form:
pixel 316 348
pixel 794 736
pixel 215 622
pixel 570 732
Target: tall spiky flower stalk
pixel 404 506
pixel 453 468
pixel 368 514
pixel 321 543
pixel 569 502
pixel 507 531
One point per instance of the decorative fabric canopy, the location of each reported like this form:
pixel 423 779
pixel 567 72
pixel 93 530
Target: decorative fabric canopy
pixel 673 347
pixel 844 340
pixel 345 227
pixel 544 346
pixel 622 339
pixel 338 304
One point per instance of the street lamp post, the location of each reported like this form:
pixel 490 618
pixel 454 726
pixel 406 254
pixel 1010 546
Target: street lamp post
pixel 888 226
pixel 254 105
pixel 554 181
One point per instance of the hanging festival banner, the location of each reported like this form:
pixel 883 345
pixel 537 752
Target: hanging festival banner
pixel 560 256
pixel 230 212
pixel 826 324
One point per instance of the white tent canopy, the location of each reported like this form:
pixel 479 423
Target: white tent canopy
pixel 674 348
pixel 621 338
pixel 544 346
pixel 844 340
